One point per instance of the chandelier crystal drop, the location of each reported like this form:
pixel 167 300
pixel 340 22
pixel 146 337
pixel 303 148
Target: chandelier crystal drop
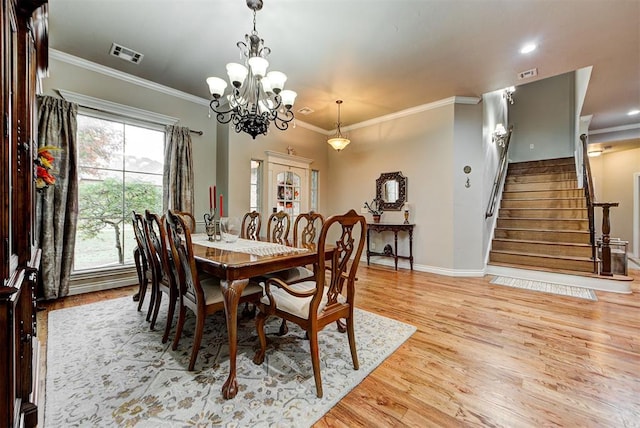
pixel 257 97
pixel 338 141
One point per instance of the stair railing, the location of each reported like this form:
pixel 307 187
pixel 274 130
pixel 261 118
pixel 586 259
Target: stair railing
pixel 587 184
pixel 502 170
pixel 591 203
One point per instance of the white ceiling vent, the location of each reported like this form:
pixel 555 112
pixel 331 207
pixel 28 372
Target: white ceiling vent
pixel 527 74
pixel 306 110
pixel 126 53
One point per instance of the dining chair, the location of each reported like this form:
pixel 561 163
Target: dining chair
pixel 278 227
pixel 164 280
pixel 306 228
pixel 251 223
pixel 188 219
pixel 143 265
pixel 202 296
pixel 312 304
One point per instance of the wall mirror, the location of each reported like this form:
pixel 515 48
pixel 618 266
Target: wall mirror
pixel 391 189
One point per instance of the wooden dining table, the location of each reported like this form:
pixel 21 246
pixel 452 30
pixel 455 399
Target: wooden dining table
pixel 234 269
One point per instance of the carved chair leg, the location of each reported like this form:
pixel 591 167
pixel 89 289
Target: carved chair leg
pixel 142 291
pixel 156 309
pixel 258 358
pixel 197 339
pixel 152 302
pixel 167 328
pixel 179 326
pixel 352 342
pixel 136 258
pixel 315 361
pixel 341 326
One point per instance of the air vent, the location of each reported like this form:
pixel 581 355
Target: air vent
pixel 527 74
pixel 305 111
pixel 126 53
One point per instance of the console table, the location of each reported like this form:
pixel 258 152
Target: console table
pixel 395 228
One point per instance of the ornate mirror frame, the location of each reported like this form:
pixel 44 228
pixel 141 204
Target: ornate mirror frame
pixel 402 190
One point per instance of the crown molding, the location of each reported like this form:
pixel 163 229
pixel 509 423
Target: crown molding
pixel 615 129
pixel 411 111
pixel 125 77
pixel 148 84
pixel 115 108
pixel 92 66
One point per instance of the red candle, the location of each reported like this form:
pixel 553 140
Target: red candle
pixel 220 205
pixel 211 198
pixel 214 198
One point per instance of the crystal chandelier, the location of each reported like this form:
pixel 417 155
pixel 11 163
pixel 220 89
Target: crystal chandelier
pixel 256 98
pixel 338 141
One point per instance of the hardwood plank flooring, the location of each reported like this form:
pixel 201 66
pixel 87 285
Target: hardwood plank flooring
pixel 486 355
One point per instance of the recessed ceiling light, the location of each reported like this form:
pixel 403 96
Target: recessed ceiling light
pixel 633 112
pixel 529 47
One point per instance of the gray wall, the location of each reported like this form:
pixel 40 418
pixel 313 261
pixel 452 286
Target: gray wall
pixel 543 116
pixel 430 148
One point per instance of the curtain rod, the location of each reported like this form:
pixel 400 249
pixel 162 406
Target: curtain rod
pixel 196 132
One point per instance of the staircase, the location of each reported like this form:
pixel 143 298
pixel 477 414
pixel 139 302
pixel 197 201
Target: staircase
pixel 543 221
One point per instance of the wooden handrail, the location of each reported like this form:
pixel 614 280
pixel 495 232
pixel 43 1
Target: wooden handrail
pixel 502 170
pixel 587 183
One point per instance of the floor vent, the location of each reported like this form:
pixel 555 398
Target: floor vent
pixel 126 53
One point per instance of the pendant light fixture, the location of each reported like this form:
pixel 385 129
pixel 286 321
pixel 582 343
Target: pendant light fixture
pixel 338 141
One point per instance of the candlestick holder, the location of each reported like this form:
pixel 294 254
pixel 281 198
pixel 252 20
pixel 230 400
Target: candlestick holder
pixel 406 216
pixel 212 226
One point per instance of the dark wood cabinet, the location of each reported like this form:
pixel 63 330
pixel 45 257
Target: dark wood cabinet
pixel 23 42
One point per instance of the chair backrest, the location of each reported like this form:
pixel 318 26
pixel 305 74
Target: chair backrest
pixel 306 228
pixel 251 223
pixel 141 240
pixel 182 261
pixel 158 246
pixel 278 227
pixel 188 219
pixel 353 228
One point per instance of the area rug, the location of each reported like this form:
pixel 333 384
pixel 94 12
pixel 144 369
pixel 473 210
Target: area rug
pixel 546 287
pixel 105 368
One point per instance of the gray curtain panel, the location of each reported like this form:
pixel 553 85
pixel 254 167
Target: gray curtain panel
pixel 57 205
pixel 178 170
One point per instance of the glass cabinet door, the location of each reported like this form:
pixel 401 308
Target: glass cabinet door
pixel 288 193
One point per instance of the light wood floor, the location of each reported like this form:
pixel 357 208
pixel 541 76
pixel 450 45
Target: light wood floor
pixel 487 355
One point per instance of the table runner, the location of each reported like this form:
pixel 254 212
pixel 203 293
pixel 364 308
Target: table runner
pixel 248 246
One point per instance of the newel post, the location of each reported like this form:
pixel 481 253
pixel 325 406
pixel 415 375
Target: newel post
pixel 606 229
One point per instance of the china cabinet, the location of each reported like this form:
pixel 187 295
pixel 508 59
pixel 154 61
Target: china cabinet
pixel 23 41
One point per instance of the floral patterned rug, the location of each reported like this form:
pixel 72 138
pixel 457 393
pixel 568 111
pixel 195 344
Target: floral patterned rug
pixel 105 368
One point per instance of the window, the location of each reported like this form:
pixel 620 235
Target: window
pixel 314 189
pixel 120 166
pixel 256 185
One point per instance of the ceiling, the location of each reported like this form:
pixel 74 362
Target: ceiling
pixel 378 56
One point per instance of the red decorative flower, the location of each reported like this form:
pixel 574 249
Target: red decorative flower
pixel 44 167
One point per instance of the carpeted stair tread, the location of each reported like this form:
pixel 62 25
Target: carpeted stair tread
pixel 530 241
pixel 520 253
